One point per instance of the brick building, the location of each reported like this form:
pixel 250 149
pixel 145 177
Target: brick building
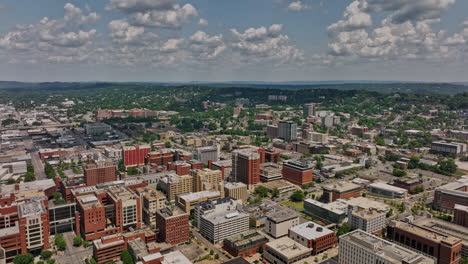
pixel 246 165
pixel 173 225
pixel 314 236
pixel 160 157
pixel 446 196
pixel 298 171
pixel 99 172
pixel 244 244
pixel 460 215
pixel 135 155
pixel 341 190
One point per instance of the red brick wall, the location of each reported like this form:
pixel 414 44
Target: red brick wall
pixel 296 176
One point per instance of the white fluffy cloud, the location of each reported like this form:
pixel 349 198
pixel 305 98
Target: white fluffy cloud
pixel 173 18
pixel 203 22
pixel 124 33
pixel 131 6
pixel 259 44
pixel 297 6
pixel 354 18
pixel 205 46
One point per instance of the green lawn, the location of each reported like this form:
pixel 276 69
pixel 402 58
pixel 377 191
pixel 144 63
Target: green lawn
pixel 299 205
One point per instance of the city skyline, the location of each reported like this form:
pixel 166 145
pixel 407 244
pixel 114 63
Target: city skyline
pixel 264 40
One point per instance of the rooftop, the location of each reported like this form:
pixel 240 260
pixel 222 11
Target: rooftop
pixel 175 257
pixel 119 192
pixel 89 201
pixel 384 249
pixel 281 214
pixel 425 232
pixel 288 248
pixel 172 211
pixel 221 216
pixel 343 186
pixel 150 193
pixel 195 196
pixel 31 208
pixel 311 230
pixel 233 185
pixel 385 186
pixel 444 227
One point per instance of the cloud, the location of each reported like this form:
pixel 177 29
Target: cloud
pixel 63 37
pixel 173 18
pixel 205 46
pixel 133 6
pixel 354 18
pixel 259 44
pixel 203 22
pixel 297 6
pixel 123 33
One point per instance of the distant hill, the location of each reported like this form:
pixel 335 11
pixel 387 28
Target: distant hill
pixel 381 87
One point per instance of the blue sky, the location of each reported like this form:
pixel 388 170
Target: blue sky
pixel 233 40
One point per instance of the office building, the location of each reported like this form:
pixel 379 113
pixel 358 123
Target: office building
pixel 244 244
pixel 188 201
pixel 285 251
pixel 151 201
pixel 99 172
pixel 226 203
pixel 173 184
pixel 341 190
pixel 108 249
pixel 446 249
pixel 359 247
pixel 205 179
pixel 246 165
pixel 279 221
pixel 135 155
pixel 287 130
pixel 309 109
pixel 62 218
pixel 270 172
pixel 236 190
pixel 408 183
pixel 299 172
pixel 448 148
pixel 446 196
pixel 321 138
pixel 272 131
pixel 225 166
pixel 205 154
pixel 160 157
pixel 387 190
pixel 219 224
pixel 313 236
pixel 368 220
pixel 173 225
pixel 97 129
pixel 460 215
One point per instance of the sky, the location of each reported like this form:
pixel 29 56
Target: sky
pixel 233 40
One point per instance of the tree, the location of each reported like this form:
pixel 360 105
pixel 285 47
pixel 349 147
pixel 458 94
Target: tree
pixel 126 257
pixel 132 171
pixel 262 191
pixel 57 195
pixel 211 252
pixel 275 193
pixel 319 165
pixel 60 242
pixel 297 196
pixel 92 261
pixel 448 166
pixel 24 259
pixel 389 213
pixel 345 228
pixel 46 254
pixel 168 144
pixel 399 173
pixel 51 261
pixel 77 241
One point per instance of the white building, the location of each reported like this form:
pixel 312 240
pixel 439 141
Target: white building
pixel 204 154
pixel 359 247
pixel 278 222
pixel 222 223
pixel 368 220
pixel 387 190
pixel 285 251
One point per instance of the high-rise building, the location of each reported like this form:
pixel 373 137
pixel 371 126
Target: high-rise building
pixel 160 157
pixel 309 109
pixel 236 190
pixel 173 184
pixel 205 154
pixel 151 200
pixel 173 225
pixel 279 221
pixel 359 247
pixel 368 220
pixel 246 165
pixel 209 206
pixel 287 130
pixel 99 172
pixel 272 131
pixel 135 155
pixel 205 179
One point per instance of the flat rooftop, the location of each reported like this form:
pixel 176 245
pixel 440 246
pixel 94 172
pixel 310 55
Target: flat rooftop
pixel 425 232
pixel 150 193
pixel 195 196
pixel 31 208
pixel 234 185
pixel 388 187
pixel 172 211
pixel 119 192
pixel 444 227
pixel 89 201
pixel 288 248
pixel 175 257
pixel 221 216
pixel 343 186
pixel 311 230
pixel 385 249
pixel 281 214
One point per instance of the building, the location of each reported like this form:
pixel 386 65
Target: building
pixel 175 257
pixel 446 196
pixel 368 220
pixel 108 249
pixel 309 109
pixel 287 130
pixel 318 137
pixel 460 215
pixel 278 222
pixel 135 155
pixel 281 185
pixel 408 183
pixel 448 148
pixel 205 154
pixel 340 190
pixel 358 130
pixel 246 165
pixel 272 131
pixel 210 206
pixel 99 172
pixel 270 172
pixel 173 225
pixel 285 251
pixel 96 129
pixel 173 184
pixel 205 179
pixel 225 166
pixel 160 157
pixel 62 218
pixel 188 201
pixel 386 190
pixel 299 172
pixel 359 247
pixel 220 223
pixel 313 236
pixel 445 249
pixel 236 190
pixel 151 201
pixel 244 244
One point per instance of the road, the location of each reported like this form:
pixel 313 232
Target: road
pixel 222 256
pixel 73 255
pixel 35 160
